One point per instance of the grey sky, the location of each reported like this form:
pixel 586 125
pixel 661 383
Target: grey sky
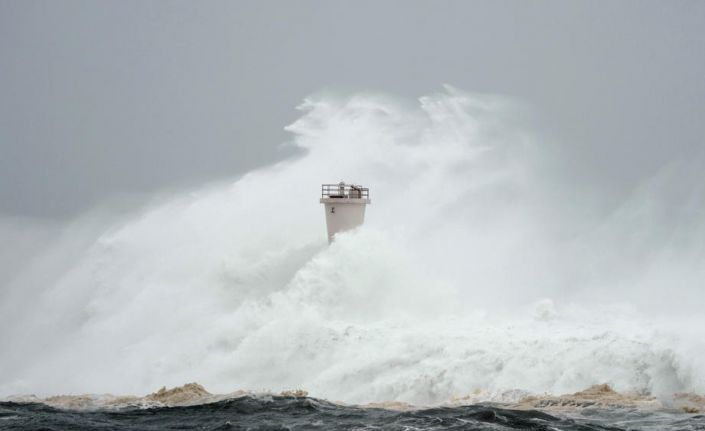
pixel 99 99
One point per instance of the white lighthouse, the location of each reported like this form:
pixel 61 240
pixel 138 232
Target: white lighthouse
pixel 344 205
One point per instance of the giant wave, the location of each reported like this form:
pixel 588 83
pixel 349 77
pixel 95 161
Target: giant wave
pixel 474 273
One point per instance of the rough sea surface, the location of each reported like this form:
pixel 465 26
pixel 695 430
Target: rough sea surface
pixel 297 413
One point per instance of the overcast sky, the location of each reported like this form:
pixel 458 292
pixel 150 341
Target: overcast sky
pixel 105 98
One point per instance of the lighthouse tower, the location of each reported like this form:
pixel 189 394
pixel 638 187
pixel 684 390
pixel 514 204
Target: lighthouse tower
pixel 344 205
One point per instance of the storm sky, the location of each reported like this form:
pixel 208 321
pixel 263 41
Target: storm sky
pixel 102 99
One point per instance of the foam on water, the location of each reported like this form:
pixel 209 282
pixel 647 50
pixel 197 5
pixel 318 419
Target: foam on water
pixel 472 273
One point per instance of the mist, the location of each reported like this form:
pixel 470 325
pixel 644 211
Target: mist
pixel 478 270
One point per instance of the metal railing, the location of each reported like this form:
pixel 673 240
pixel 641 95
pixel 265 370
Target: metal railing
pixel 343 190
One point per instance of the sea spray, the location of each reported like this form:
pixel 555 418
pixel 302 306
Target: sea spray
pixel 467 276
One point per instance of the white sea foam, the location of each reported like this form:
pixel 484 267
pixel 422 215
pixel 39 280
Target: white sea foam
pixel 471 273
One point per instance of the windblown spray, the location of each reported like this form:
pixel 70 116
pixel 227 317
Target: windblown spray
pixel 468 276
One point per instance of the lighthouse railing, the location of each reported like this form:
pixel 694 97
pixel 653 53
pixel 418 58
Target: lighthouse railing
pixel 349 191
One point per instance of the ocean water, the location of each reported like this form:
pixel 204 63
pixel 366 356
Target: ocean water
pixel 479 274
pixel 290 413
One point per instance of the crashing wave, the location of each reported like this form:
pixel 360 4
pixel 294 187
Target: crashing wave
pixel 474 271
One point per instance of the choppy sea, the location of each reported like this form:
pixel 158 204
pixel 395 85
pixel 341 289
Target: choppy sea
pixel 302 413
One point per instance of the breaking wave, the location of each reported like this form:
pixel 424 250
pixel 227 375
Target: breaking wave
pixel 475 273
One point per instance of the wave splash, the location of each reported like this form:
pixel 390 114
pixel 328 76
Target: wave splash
pixel 472 273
